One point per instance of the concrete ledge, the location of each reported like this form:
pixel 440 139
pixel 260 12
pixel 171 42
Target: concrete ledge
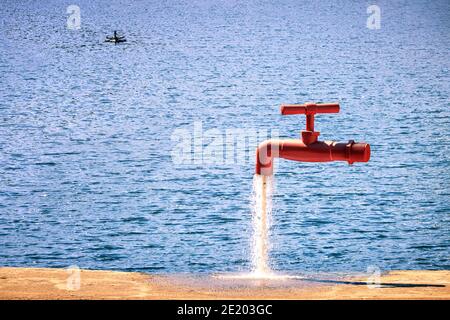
pixel 42 283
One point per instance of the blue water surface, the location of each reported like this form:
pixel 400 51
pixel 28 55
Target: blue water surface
pixel 86 170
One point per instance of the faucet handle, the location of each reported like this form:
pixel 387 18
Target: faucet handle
pixel 309 108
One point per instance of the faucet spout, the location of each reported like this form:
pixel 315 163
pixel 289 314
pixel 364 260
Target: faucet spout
pixel 319 151
pixel 309 149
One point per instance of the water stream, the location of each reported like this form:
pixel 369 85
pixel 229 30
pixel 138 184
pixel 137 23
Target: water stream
pixel 261 221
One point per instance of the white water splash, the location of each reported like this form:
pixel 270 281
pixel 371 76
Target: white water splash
pixel 259 276
pixel 261 221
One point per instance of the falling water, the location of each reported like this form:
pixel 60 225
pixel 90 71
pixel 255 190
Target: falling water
pixel 261 218
pixel 263 188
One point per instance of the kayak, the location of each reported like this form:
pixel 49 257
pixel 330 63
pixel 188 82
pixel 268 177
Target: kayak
pixel 115 40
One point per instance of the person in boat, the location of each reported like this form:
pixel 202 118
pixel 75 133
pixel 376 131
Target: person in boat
pixel 116 37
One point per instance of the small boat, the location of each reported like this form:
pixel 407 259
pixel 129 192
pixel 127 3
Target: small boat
pixel 115 38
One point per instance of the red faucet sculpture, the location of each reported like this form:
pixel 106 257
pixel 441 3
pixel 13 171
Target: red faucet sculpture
pixel 308 148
